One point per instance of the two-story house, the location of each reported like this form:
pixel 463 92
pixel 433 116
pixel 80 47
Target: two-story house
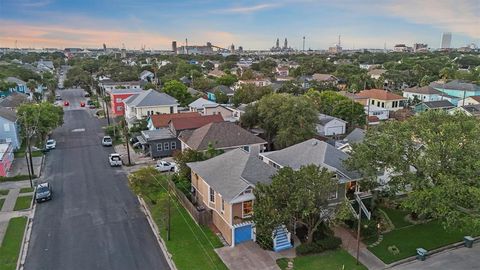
pixel 117 97
pixel 108 85
pixel 9 128
pixel 146 103
pixel 426 94
pixel 224 185
pixel 457 88
pixel 158 121
pixel 383 99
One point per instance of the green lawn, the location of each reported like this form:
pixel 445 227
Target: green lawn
pixel 397 217
pixel 329 260
pixel 19 177
pixel 20 154
pixel 1 203
pixel 26 190
pixel 407 239
pixel 190 248
pixel 4 191
pixel 23 203
pixel 12 242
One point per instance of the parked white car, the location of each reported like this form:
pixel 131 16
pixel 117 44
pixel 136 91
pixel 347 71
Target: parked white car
pixel 165 166
pixel 107 141
pixel 115 160
pixel 51 144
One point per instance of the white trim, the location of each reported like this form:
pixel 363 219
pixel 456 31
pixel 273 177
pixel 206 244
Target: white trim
pixel 243 216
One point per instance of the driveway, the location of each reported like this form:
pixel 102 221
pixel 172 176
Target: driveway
pixel 247 256
pixel 460 258
pixel 94 221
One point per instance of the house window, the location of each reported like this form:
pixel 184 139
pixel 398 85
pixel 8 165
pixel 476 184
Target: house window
pixel 373 102
pixel 383 104
pixel 159 146
pixel 166 146
pixel 247 209
pixel 6 127
pixel 378 103
pixel 118 100
pixel 8 140
pixel 174 145
pixel 119 108
pixel 246 148
pixel 333 195
pixel 212 195
pixel 223 206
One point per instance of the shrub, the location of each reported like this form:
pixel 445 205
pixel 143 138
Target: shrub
pixel 329 243
pixel 322 245
pixel 307 248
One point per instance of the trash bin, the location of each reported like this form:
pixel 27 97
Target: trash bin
pixel 421 254
pixel 468 240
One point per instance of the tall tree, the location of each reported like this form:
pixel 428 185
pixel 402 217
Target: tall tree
pixel 177 90
pixel 39 119
pixel 249 93
pixel 435 155
pixel 295 196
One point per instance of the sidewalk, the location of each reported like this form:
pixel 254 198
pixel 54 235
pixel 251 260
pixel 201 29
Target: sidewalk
pixel 349 243
pixel 138 159
pixel 19 166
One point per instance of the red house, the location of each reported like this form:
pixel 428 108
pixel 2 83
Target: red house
pixel 6 158
pixel 117 96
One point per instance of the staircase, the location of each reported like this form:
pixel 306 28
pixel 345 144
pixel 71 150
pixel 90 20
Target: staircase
pixel 281 239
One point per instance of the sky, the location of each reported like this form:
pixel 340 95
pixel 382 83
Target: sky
pixel 251 24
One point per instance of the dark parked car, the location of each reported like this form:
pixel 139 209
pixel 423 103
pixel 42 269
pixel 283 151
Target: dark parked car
pixel 43 192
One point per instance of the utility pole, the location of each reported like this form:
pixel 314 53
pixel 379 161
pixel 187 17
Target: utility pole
pixel 28 168
pixel 126 142
pixel 30 154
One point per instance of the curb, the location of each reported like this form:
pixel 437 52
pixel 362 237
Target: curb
pixel 432 252
pixel 26 239
pixel 154 228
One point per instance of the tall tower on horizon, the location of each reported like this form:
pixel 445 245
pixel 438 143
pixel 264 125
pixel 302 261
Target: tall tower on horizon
pixel 285 44
pixel 446 40
pixel 277 45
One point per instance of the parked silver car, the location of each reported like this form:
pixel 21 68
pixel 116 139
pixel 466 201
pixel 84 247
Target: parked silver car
pixel 107 141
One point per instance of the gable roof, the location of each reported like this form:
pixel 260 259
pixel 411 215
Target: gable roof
pixel 476 98
pixel 220 135
pixel 457 85
pixel 7 114
pixel 13 100
pixel 195 122
pixel 315 152
pixel 150 98
pixel 324 119
pixel 426 90
pixel 200 103
pixel 472 109
pixel 162 120
pixel 244 170
pixel 146 72
pixel 379 94
pixel 15 80
pixel 438 104
pixel 323 77
pixel 356 136
pixel 224 89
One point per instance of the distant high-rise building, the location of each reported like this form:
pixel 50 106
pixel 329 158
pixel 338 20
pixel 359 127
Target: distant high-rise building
pixel 277 44
pixel 174 46
pixel 420 47
pixel 285 44
pixel 446 40
pixel 104 47
pixel 232 48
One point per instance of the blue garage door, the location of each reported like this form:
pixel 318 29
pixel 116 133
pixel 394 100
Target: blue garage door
pixel 243 234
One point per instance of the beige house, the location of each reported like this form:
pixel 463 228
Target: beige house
pixel 473 100
pixel 228 193
pixel 383 99
pixel 150 102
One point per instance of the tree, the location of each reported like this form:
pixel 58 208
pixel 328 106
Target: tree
pixel 177 90
pixel 149 85
pixel 221 97
pixel 144 183
pixel 286 119
pixel 208 65
pixel 227 79
pixel 435 154
pixel 39 119
pixel 248 93
pixel 248 75
pixel 291 88
pixel 32 85
pixel 295 196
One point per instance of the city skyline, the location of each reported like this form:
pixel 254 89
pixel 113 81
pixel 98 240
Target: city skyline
pixel 250 24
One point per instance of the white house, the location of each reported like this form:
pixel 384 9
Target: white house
pixel 150 102
pixel 329 126
pixel 383 99
pixel 380 113
pixel 425 94
pixel 199 105
pixel 473 100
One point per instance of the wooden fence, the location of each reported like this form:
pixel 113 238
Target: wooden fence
pixel 203 217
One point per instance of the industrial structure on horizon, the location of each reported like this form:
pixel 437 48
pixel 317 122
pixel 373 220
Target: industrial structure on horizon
pixel 285 47
pixel 209 48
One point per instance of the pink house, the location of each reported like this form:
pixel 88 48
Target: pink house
pixel 6 153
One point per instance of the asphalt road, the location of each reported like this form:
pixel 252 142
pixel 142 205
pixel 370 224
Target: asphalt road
pixel 94 221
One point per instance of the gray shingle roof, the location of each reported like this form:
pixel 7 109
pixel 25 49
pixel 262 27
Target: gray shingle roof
pixel 314 152
pixel 127 91
pixel 220 135
pixel 457 85
pixel 438 104
pixel 150 98
pixel 200 103
pixel 324 119
pixel 232 172
pixel 10 115
pixel 13 100
pixel 224 89
pixel 426 90
pixel 15 80
pixel 356 136
pixel 157 134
